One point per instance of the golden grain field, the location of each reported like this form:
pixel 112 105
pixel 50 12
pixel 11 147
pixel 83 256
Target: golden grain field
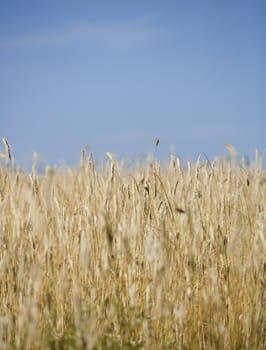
pixel 154 256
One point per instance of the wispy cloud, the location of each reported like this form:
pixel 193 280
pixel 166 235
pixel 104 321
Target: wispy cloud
pixel 123 34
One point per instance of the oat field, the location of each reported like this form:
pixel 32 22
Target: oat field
pixel 152 256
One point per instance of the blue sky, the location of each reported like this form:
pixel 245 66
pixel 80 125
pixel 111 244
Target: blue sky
pixel 114 75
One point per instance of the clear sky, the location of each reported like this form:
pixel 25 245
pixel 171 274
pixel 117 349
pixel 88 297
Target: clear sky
pixel 115 75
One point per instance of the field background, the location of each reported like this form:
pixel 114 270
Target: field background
pixel 155 256
pixel 166 251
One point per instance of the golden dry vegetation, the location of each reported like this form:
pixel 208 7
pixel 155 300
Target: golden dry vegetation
pixel 146 257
